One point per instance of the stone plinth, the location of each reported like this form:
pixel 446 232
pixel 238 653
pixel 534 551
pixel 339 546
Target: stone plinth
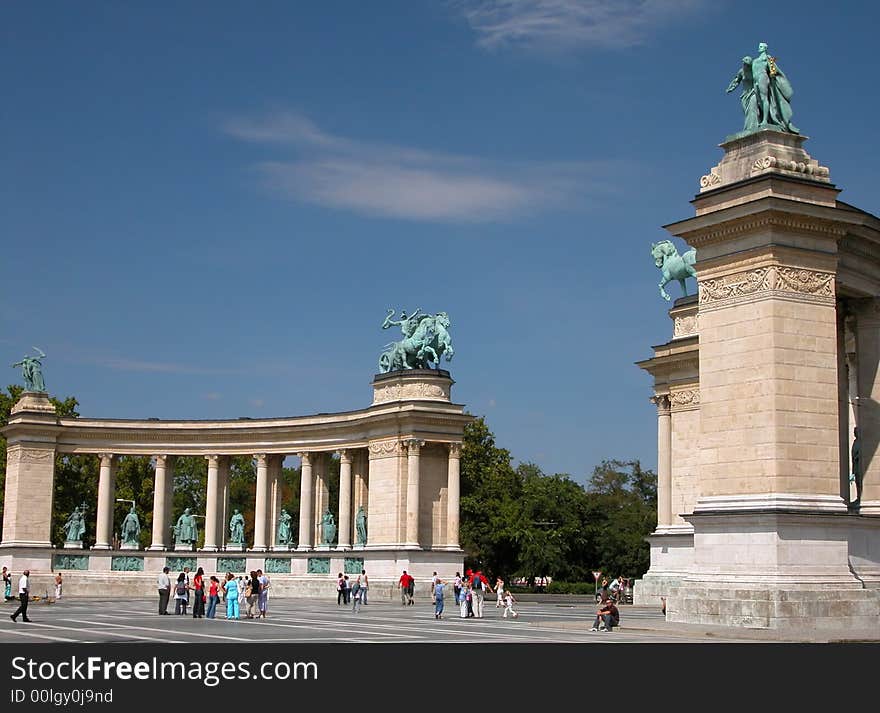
pixel 412 385
pixel 234 547
pixel 129 546
pixel 73 545
pixel 183 548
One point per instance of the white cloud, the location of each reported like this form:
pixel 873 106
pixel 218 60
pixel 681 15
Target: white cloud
pixel 559 25
pixel 410 183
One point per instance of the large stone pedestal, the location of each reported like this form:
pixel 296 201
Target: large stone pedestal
pixel 785 346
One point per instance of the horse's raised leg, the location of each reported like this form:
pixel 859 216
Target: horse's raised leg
pixel 684 289
pixel 663 293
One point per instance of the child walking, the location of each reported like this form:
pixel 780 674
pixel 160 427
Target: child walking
pixel 508 605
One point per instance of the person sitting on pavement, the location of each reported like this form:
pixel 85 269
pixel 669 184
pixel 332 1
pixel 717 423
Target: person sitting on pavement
pixel 607 617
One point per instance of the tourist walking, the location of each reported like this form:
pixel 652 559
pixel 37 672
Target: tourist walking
pixel 346 586
pixel 7 584
pixel 365 585
pixel 356 595
pixel 242 593
pixel 264 593
pixel 479 587
pixel 164 585
pixel 181 594
pixel 499 590
pixel 58 583
pixel 434 579
pixel 456 586
pixel 461 599
pixel 439 586
pixel 340 589
pixel 213 597
pixel 199 594
pixel 406 583
pixel 252 593
pixel 24 591
pixel 232 591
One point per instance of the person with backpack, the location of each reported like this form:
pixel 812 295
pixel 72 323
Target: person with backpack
pixel 231 589
pixel 439 586
pixel 252 593
pixel 181 594
pixel 340 589
pixel 405 583
pixel 479 587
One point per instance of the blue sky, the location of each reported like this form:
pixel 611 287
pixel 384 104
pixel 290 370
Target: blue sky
pixel 208 207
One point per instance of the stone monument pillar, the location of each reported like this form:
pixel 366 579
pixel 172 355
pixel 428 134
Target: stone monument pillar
pixel 345 514
pixel 773 544
pixel 453 486
pixel 211 504
pixel 261 510
pixel 306 526
pixel 413 447
pixel 106 489
pixel 31 434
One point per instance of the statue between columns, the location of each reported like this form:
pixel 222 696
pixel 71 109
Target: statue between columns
pixel 328 528
pixel 131 528
pixel 285 533
pixel 360 524
pixel 185 531
pixel 236 528
pixel 75 527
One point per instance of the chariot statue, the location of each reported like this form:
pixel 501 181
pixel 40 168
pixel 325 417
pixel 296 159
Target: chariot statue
pixel 425 340
pixel 673 266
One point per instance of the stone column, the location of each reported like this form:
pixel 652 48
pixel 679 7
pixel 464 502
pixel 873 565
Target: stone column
pixel 211 504
pixel 344 541
pixel 261 509
pixel 223 500
pixel 664 461
pixel 868 410
pixel 276 463
pixel 412 492
pixel 306 527
pixel 104 522
pixel 160 504
pixel 453 490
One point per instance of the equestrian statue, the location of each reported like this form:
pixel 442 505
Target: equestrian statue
pixel 673 266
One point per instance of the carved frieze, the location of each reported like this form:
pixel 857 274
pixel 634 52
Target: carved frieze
pixel 416 390
pixel 684 325
pixel 772 280
pixel 684 399
pixel 35 456
pixel 385 449
pixel 808 168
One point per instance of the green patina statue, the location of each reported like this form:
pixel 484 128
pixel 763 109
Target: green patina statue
pixel 766 96
pixel 672 265
pixel 360 523
pixel 285 534
pixel 75 527
pixel 425 340
pixel 185 531
pixel 236 528
pixel 131 528
pixel 328 528
pixel 32 371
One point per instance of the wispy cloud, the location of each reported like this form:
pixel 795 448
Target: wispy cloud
pixel 122 364
pixel 559 25
pixel 257 403
pixel 410 183
pixel 212 396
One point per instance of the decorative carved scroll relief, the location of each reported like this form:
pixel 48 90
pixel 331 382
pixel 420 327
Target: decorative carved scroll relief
pixel 685 399
pixel 403 392
pixel 767 281
pixel 385 449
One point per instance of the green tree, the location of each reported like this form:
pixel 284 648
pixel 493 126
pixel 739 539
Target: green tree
pixel 625 497
pixel 490 488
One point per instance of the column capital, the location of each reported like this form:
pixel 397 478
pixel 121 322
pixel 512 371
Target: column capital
pixel 106 458
pixel 161 459
pixel 344 455
pixel 661 401
pixel 454 450
pixel 414 445
pixel 262 459
pixel 213 460
pixel 305 456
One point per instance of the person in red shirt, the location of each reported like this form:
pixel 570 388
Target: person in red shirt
pixel 406 584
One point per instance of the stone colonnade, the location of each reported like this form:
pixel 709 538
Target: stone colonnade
pixel 398 459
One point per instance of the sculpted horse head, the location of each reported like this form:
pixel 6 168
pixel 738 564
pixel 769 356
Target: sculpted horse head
pixel 662 251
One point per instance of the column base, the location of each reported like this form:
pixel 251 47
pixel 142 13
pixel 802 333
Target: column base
pixel 359 547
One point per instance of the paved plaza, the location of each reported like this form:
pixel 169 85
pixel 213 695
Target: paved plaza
pixel 301 620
